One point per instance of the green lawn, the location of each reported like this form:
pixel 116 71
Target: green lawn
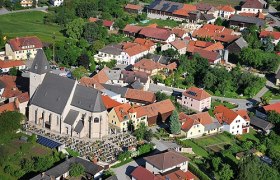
pixel 196 149
pixel 29 24
pixel 221 2
pixel 161 23
pixel 212 140
pixel 250 136
pixel 273 94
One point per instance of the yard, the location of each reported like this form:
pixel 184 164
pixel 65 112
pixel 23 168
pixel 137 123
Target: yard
pixel 272 94
pixel 29 24
pixel 161 23
pixel 215 103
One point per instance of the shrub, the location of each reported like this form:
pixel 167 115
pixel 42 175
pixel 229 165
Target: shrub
pixel 201 175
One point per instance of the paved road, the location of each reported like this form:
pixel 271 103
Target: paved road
pixel 5 11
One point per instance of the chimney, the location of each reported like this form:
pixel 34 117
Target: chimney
pixel 43 174
pixel 67 158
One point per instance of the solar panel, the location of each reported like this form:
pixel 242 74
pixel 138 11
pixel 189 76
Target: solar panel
pixel 47 142
pixel 165 6
pixel 192 93
pixel 173 8
pixel 154 4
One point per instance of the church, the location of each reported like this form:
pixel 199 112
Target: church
pixel 62 105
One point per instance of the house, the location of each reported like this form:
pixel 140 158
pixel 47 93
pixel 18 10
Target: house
pixel 180 33
pixel 133 8
pixel 157 34
pixel 5 66
pixel 261 124
pixel 121 116
pixel 61 171
pixel 213 57
pixel 147 43
pixel 236 46
pixel 197 125
pixel 23 48
pixel 132 30
pixel 275 36
pixel 124 53
pixel 207 9
pixel 252 6
pixel 178 45
pixel 56 2
pixel 216 33
pixel 196 99
pixel 263 111
pixel 106 23
pixel 166 161
pixel 26 3
pixel 234 122
pixel 63 106
pixel 158 112
pixel 257 15
pixel 226 11
pixel 245 21
pixel 277 77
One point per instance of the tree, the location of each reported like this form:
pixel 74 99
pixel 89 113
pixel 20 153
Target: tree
pixel 124 156
pixel 34 3
pixel 267 45
pixel 148 135
pixel 226 172
pixel 10 122
pixel 98 44
pixel 13 71
pixel 175 125
pixel 216 161
pixel 84 61
pixel 76 170
pixel 219 21
pixel 95 32
pixel 75 28
pixel 79 72
pixel 1 39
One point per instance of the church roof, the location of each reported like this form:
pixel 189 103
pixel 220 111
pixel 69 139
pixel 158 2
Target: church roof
pixel 40 64
pixel 53 93
pixel 88 99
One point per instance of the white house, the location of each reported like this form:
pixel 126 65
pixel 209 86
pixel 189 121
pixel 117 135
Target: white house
pixel 5 66
pixel 23 48
pixel 274 35
pixel 226 11
pixel 234 122
pixel 178 45
pixel 56 2
pixel 252 6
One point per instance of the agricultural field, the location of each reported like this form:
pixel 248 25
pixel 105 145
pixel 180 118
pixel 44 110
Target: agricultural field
pixel 29 24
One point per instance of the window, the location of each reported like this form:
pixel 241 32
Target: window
pixel 238 126
pixel 57 120
pixel 199 131
pixel 96 120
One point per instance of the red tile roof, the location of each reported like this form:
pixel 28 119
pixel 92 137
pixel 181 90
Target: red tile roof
pixel 196 93
pixel 122 111
pixel 273 107
pixel 224 114
pixel 144 42
pixel 109 103
pixel 10 64
pixel 273 34
pixel 255 4
pixel 203 118
pixel 22 43
pixel 136 49
pixel 148 64
pixel 226 8
pixel 161 107
pixel 184 11
pixel 211 56
pixel 179 44
pixel 178 32
pixel 106 23
pixel 139 95
pixel 171 66
pixel 11 89
pixel 155 33
pixel 189 123
pixel 133 6
pixel 132 29
pixel 8 107
pixel 141 173
pixel 90 82
pixel 24 97
pixel 215 47
pixel 243 114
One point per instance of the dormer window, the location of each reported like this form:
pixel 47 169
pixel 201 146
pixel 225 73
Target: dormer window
pixel 36 67
pixel 46 67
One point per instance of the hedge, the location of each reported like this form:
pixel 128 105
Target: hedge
pixel 201 175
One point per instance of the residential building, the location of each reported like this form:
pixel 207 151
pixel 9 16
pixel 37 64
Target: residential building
pixel 207 9
pixel 257 15
pixel 178 45
pixel 213 57
pixel 180 33
pixel 166 161
pixel 26 3
pixel 133 8
pixel 245 21
pixel 106 23
pixel 127 117
pixel 277 78
pixel 63 106
pixel 199 124
pixel 234 122
pixel 56 2
pixel 158 112
pixel 126 53
pixel 5 66
pixel 252 6
pixel 196 99
pixel 23 48
pixel 261 124
pixel 275 36
pixel 264 110
pixel 226 11
pixel 236 46
pixel 61 171
pixel 216 33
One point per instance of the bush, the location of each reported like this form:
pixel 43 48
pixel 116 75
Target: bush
pixel 72 152
pixel 76 170
pixel 145 148
pixel 124 156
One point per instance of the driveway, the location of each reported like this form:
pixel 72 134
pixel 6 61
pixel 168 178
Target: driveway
pixel 5 11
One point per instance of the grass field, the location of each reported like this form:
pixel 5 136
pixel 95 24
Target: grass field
pixel 29 24
pixel 221 2
pixel 249 136
pixel 273 94
pixel 196 149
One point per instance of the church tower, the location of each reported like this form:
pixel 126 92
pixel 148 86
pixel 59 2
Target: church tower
pixel 38 70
